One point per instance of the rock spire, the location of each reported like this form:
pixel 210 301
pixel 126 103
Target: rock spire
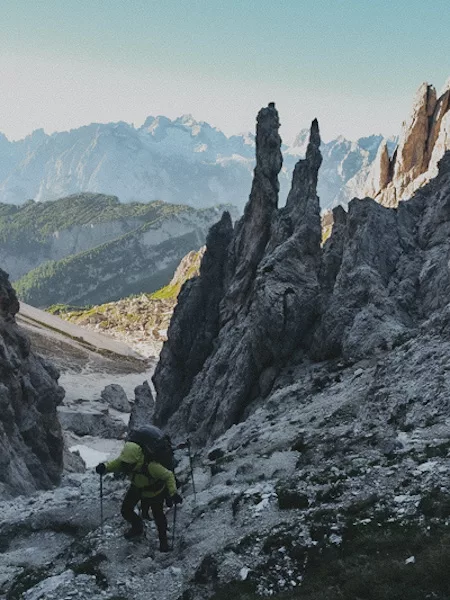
pixel 380 276
pixel 270 268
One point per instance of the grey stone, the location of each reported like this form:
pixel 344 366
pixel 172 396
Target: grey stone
pixel 143 407
pixel 285 300
pixel 89 421
pixel 115 396
pixel 269 295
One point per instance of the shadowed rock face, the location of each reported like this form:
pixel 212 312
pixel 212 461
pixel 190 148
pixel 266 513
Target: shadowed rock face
pixel 253 230
pixel 379 276
pixel 195 324
pixel 270 265
pixel 31 443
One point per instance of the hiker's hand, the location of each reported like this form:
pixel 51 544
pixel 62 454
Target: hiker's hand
pixel 100 469
pixel 169 502
pixel 177 499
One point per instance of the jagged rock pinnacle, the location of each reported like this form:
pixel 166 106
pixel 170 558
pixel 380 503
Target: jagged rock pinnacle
pixel 304 180
pixel 253 230
pixel 268 298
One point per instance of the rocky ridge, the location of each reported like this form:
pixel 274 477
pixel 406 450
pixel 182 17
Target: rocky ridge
pixel 141 260
pixel 284 300
pixel 423 142
pixel 30 434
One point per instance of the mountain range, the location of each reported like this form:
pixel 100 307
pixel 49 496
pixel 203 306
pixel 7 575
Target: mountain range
pixel 305 387
pixel 182 161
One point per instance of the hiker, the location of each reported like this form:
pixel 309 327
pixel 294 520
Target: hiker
pixel 151 483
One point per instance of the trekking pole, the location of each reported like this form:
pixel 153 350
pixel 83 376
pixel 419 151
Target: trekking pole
pixel 187 444
pixel 101 504
pixel 192 470
pixel 174 524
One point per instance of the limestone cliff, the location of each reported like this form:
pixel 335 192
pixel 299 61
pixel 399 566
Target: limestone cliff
pixel 31 443
pixel 285 300
pixel 424 139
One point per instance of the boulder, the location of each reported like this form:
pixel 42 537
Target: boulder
pixel 114 395
pixel 143 407
pixel 90 421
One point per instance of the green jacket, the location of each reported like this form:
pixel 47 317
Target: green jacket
pixel 155 476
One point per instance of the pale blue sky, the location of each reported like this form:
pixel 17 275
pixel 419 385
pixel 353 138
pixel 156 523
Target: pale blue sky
pixel 355 64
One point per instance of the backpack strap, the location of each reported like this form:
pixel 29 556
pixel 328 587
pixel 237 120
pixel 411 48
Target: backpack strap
pixel 154 484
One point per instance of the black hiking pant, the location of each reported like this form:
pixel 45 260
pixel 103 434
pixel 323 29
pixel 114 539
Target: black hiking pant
pixel 155 504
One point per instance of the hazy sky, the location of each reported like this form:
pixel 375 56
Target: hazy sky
pixel 353 64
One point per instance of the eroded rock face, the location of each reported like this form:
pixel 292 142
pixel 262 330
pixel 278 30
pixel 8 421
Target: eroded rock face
pixel 422 144
pixel 379 276
pixel 268 295
pixel 31 443
pixel 195 324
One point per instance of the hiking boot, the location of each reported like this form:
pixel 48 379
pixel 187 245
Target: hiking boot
pixel 133 533
pixel 164 546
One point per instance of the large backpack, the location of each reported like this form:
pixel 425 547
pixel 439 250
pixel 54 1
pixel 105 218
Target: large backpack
pixel 155 444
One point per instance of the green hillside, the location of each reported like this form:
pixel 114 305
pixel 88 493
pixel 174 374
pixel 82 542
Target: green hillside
pixel 143 318
pixel 35 221
pixel 91 249
pixel 127 265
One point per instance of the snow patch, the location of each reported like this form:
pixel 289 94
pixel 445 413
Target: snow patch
pixel 90 456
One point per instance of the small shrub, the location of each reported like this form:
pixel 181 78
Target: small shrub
pixel 26 580
pixel 435 503
pixel 291 498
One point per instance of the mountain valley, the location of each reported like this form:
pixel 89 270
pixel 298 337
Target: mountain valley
pixel 307 379
pixel 140 321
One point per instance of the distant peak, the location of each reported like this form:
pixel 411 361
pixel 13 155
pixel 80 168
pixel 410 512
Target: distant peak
pixel 156 126
pixel 445 87
pixel 148 122
pixel 301 137
pixel 187 120
pixel 37 134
